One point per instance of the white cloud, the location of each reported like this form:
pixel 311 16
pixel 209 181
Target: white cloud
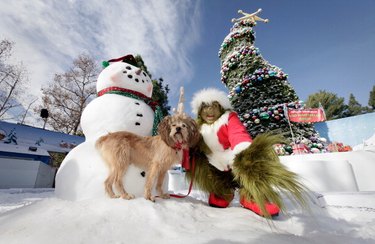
pixel 50 34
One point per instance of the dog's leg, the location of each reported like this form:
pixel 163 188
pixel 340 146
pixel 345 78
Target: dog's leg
pixel 123 167
pixel 150 179
pixel 159 185
pixel 108 184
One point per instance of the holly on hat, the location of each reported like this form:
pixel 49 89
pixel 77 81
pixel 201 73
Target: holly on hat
pixel 208 96
pixel 126 59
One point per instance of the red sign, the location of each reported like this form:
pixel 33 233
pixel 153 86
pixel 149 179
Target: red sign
pixel 306 115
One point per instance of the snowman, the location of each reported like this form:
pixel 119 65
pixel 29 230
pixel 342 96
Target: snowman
pixel 123 104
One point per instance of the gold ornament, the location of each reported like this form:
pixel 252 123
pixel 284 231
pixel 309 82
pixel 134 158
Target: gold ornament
pixel 250 17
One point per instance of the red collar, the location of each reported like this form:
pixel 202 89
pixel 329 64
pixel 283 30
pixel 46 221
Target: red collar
pixel 185 161
pixel 177 146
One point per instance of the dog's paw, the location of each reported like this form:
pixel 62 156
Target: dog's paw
pixel 165 196
pixel 114 196
pixel 151 198
pixel 127 196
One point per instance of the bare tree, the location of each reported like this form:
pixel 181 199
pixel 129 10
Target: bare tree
pixel 13 79
pixel 27 110
pixel 69 93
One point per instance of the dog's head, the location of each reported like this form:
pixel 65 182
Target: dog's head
pixel 177 129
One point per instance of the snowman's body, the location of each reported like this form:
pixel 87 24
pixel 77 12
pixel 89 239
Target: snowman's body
pixel 127 114
pixel 83 172
pixel 122 110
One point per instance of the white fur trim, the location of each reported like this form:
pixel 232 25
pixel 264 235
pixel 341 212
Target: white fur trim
pixel 209 95
pixel 220 158
pixel 240 147
pixel 209 132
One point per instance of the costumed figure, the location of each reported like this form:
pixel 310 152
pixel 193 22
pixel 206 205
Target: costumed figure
pixel 228 159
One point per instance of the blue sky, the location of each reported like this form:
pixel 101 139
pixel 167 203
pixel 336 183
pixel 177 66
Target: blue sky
pixel 321 44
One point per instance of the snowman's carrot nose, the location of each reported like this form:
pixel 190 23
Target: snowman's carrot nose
pixel 138 71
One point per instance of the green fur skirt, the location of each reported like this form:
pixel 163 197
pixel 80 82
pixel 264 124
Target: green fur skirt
pixel 257 173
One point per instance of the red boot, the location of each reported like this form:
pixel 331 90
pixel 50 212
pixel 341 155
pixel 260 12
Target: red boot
pixel 218 202
pixel 271 208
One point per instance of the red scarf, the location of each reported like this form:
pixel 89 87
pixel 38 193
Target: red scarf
pixel 185 156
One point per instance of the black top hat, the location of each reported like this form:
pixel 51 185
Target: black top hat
pixel 126 59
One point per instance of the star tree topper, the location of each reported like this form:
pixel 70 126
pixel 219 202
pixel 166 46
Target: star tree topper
pixel 250 17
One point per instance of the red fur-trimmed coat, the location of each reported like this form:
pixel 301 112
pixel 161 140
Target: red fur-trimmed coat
pixel 226 137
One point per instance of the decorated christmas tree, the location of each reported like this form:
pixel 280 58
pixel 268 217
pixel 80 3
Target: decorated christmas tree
pixel 259 91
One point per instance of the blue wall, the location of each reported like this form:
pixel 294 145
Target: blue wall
pixel 350 131
pixel 29 136
pixel 15 155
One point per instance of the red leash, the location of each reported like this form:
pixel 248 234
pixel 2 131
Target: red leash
pixel 191 182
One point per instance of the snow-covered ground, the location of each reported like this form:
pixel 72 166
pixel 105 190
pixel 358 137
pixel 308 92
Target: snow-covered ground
pixel 37 216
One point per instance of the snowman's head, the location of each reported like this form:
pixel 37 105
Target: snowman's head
pixel 125 75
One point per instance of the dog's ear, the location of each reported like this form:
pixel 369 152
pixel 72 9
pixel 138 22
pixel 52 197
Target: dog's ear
pixel 164 129
pixel 194 134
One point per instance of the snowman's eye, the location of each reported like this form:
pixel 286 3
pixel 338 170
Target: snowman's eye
pixel 136 79
pixel 144 74
pixel 128 67
pixel 143 81
pixel 124 72
pixel 130 76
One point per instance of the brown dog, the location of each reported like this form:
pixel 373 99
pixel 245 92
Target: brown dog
pixel 154 154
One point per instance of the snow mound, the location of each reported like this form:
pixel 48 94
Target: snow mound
pixel 188 220
pixel 368 144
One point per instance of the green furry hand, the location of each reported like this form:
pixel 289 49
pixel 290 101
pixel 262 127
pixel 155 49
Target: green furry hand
pixel 262 177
